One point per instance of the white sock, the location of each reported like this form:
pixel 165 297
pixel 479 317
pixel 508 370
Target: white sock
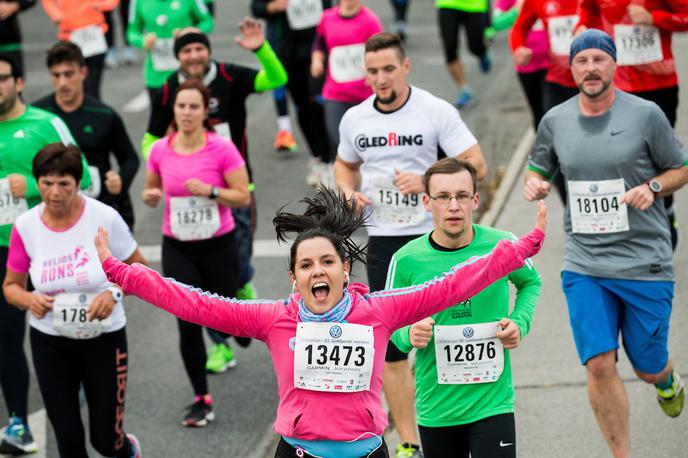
pixel 284 123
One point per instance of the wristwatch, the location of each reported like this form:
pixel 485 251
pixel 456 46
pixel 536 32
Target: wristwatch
pixel 117 293
pixel 655 186
pixel 214 192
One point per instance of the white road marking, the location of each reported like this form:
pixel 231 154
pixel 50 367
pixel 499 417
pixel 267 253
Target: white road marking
pixel 138 103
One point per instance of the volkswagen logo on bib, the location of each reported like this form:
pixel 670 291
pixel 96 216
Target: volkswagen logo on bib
pixel 468 332
pixel 82 298
pixel 594 188
pixel 335 332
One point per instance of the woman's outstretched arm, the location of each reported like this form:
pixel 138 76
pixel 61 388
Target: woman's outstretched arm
pixel 240 318
pixel 399 307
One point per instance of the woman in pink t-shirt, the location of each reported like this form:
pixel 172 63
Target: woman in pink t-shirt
pixel 201 176
pixel 340 41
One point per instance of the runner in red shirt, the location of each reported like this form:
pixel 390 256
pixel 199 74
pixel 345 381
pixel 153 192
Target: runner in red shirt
pixel 642 32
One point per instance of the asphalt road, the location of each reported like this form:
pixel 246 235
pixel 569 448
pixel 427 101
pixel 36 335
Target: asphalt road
pixel 245 398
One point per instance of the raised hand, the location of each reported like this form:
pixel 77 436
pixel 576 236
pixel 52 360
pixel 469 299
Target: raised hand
pixel 252 34
pixel 102 242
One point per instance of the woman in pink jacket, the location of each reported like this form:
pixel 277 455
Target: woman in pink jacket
pixel 328 339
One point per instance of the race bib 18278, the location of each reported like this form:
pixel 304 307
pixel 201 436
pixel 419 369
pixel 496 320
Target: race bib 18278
pixel 596 206
pixel 637 44
pixel 335 357
pixel 468 354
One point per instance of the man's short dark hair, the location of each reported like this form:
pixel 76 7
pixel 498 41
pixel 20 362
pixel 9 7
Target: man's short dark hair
pixel 14 67
pixel 386 40
pixel 58 159
pixel 450 166
pixel 65 52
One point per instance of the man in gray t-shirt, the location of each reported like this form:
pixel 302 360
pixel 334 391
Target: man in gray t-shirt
pixel 619 157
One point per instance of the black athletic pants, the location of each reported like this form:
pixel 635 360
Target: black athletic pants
pixel 100 366
pixel 123 9
pixel 474 24
pixel 533 85
pixel 213 266
pixel 380 251
pixel 491 437
pixel 303 92
pixel 14 370
pixel 400 8
pixel 95 66
pixel 284 450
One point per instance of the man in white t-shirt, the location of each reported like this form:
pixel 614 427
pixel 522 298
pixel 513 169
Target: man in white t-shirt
pixel 386 144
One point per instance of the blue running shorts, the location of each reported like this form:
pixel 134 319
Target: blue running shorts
pixel 601 307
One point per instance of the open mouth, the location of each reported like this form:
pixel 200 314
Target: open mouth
pixel 320 290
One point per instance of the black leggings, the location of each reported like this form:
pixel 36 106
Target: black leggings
pixel 100 366
pixel 491 437
pixel 303 92
pixel 334 112
pixel 284 450
pixel 474 24
pixel 95 66
pixel 380 251
pixel 212 265
pixel 533 85
pixel 14 370
pixel 123 9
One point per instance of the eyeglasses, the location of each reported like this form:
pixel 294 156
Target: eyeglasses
pixel 444 199
pixel 5 76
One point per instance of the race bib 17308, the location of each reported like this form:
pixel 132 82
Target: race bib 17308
pixel 335 357
pixel 637 44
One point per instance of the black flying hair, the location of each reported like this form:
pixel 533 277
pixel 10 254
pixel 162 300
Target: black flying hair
pixel 328 214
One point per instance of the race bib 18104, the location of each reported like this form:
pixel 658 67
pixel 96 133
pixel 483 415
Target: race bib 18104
pixel 596 206
pixel 468 354
pixel 335 357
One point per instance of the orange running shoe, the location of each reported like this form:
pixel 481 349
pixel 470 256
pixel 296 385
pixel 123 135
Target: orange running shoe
pixel 284 141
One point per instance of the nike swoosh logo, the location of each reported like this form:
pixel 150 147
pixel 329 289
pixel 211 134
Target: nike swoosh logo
pixel 614 134
pixel 502 444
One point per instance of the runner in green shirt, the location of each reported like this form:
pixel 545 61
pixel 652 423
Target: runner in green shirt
pixel 152 25
pixel 464 390
pixel 24 130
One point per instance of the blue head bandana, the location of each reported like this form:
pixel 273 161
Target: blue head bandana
pixel 592 38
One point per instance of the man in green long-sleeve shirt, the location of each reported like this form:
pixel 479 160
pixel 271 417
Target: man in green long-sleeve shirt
pixel 24 130
pixel 152 27
pixel 464 391
pixel 229 85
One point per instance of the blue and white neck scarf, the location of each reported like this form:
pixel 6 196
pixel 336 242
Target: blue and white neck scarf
pixel 334 315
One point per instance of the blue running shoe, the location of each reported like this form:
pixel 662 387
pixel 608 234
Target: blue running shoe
pixel 17 438
pixel 465 98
